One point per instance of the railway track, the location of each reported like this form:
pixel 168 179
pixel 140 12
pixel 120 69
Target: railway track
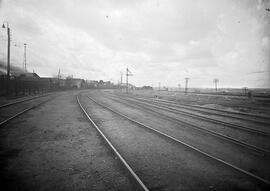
pixel 201 117
pixel 21 101
pixel 247 115
pixel 212 111
pixel 174 139
pixel 213 131
pixel 24 110
pixel 125 163
pixel 248 146
pixel 265 97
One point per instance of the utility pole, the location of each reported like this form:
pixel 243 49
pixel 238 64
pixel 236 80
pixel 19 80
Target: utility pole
pixel 159 86
pixel 58 76
pixel 127 82
pixel 8 57
pixel 186 87
pixel 128 74
pixel 24 60
pixel 245 89
pixel 121 81
pixel 216 82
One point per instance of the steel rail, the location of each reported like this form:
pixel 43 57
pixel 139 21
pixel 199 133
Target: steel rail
pixel 22 112
pixel 177 111
pixel 213 133
pixel 24 100
pixel 267 182
pixel 219 94
pixel 229 114
pixel 206 108
pixel 131 171
pixel 222 113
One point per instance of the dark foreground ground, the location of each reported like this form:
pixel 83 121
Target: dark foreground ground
pixel 54 148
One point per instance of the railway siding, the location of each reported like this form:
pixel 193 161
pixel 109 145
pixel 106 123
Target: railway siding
pixel 172 165
pixel 251 137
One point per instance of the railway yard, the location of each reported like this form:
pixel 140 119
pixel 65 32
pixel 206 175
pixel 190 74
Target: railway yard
pixel 144 140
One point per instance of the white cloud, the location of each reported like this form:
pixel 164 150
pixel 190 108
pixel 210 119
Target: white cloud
pixel 158 40
pixel 265 42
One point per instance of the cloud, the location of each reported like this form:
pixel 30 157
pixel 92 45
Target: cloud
pixel 13 69
pixel 168 39
pixel 259 72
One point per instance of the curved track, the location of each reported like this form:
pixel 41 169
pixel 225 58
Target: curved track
pixel 125 163
pixel 212 111
pixel 223 162
pixel 198 116
pixel 210 132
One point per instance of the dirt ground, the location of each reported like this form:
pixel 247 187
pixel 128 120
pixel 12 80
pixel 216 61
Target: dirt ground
pixel 53 147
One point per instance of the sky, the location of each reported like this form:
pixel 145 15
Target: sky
pixel 158 40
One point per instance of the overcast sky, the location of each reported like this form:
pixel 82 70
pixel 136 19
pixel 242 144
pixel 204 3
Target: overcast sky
pixel 159 41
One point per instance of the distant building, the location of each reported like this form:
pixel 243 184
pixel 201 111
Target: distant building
pixel 29 75
pixel 19 74
pixel 78 83
pixel 146 88
pixel 75 83
pixel 61 82
pixel 92 83
pixel 130 86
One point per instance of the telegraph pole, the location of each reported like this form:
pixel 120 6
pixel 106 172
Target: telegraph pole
pixel 58 76
pixel 24 61
pixel 121 81
pixel 8 60
pixel 216 82
pixel 159 86
pixel 8 57
pixel 186 87
pixel 128 74
pixel 127 82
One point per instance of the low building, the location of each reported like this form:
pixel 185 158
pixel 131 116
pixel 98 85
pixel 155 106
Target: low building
pixel 130 86
pixel 29 75
pixel 75 83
